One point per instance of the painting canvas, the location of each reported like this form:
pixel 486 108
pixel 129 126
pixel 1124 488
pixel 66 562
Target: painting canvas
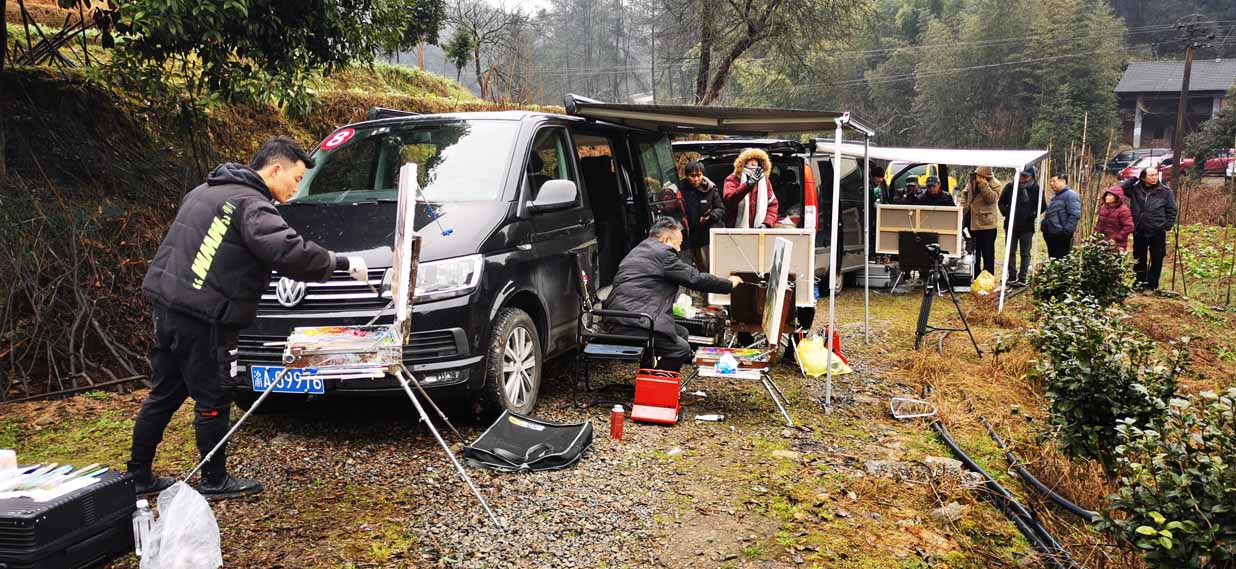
pixel 751 251
pixel 778 283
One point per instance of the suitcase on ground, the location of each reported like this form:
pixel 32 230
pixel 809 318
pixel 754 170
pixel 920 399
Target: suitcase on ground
pixel 85 528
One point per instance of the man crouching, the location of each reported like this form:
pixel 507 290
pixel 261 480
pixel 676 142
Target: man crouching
pixel 647 282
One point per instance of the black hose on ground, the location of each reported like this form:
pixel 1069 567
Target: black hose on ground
pixel 1086 515
pixel 1026 523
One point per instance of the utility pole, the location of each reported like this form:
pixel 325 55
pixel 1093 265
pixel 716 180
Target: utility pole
pixel 1193 29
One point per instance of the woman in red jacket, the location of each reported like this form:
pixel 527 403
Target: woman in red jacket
pixel 1115 219
pixel 744 208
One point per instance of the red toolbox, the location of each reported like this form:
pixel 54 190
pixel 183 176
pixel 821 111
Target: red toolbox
pixel 656 397
pixel 85 528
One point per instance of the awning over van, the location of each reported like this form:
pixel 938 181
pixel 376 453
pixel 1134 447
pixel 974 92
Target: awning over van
pixel 1016 159
pixel 686 119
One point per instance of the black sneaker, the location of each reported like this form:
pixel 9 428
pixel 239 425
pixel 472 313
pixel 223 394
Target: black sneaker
pixel 153 484
pixel 230 487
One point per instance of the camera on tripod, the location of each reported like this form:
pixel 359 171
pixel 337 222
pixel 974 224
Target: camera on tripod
pixel 934 250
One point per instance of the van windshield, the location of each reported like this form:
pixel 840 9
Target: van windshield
pixel 457 161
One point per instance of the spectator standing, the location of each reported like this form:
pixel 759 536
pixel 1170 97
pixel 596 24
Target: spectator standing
pixel 980 199
pixel 934 196
pixel 1023 226
pixel 703 210
pixel 875 196
pixel 1153 205
pixel 748 195
pixel 1060 219
pixel 1115 220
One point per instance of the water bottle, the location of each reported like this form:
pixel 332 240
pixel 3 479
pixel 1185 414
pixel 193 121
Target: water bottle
pixel 615 422
pixel 143 524
pixel 711 418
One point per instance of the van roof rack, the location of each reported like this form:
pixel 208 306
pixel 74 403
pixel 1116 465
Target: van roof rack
pixel 376 113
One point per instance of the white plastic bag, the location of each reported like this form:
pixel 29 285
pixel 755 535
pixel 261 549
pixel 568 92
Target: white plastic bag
pixel 186 535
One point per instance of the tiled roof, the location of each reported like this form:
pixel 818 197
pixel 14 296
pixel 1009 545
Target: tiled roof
pixel 1165 76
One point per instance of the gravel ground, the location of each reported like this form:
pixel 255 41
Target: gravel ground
pixel 361 483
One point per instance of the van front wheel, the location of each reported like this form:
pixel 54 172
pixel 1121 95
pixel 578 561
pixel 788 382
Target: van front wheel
pixel 513 363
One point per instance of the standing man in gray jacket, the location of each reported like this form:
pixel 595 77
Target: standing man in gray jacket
pixel 204 285
pixel 1154 214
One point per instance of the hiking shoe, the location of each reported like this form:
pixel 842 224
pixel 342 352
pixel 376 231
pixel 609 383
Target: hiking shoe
pixel 229 487
pixel 153 484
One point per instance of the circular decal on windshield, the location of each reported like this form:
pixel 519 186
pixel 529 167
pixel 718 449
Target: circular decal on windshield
pixel 335 140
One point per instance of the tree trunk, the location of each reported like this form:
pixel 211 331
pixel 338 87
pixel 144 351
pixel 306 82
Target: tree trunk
pixel 701 74
pixel 476 58
pixel 723 70
pixel 4 45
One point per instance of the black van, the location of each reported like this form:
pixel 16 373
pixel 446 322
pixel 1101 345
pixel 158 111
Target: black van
pixel 507 197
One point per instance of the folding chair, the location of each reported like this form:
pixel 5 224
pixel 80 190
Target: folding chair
pixel 598 345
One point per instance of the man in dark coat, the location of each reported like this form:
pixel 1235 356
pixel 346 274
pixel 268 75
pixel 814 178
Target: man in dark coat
pixel 1154 214
pixel 204 284
pixel 1023 225
pixel 1060 219
pixel 647 283
pixel 703 210
pixel 934 196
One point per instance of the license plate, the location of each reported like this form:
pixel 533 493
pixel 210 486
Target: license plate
pixel 295 381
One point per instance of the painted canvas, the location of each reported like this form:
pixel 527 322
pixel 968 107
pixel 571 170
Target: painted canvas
pixel 778 284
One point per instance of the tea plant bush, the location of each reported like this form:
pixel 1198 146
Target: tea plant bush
pixel 1097 371
pixel 1093 269
pixel 1177 496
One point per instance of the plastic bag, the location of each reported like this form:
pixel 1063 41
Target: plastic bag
pixel 683 307
pixel 813 357
pixel 983 284
pixel 186 535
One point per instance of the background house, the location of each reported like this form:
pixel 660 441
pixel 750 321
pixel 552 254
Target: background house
pixel 1150 90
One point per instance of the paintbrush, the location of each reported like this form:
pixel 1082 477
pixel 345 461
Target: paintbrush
pixel 23 478
pixel 52 483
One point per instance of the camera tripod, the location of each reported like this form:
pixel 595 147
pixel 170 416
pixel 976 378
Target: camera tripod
pixel 938 276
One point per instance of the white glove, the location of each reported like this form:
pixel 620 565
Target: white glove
pixel 358 270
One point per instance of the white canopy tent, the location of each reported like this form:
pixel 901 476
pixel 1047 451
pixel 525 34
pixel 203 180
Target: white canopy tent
pixel 1018 160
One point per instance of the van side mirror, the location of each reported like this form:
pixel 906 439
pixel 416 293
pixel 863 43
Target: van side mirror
pixel 555 195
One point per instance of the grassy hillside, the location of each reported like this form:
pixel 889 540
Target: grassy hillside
pixel 94 175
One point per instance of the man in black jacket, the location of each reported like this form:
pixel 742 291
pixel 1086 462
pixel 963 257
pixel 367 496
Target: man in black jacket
pixel 1154 214
pixel 702 209
pixel 204 285
pixel 647 283
pixel 1023 225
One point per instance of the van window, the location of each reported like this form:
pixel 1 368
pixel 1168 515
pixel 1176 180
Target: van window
pixel 366 166
pixel 549 160
pixel 659 176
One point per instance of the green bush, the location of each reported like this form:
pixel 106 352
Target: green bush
pixel 1097 371
pixel 1177 496
pixel 1094 269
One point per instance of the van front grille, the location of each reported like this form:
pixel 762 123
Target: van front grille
pixel 340 292
pixel 420 346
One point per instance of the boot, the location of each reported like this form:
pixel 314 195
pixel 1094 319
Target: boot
pixel 229 487
pixel 147 483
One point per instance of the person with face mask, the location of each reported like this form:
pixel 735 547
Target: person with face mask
pixel 647 282
pixel 748 195
pixel 702 209
pixel 204 284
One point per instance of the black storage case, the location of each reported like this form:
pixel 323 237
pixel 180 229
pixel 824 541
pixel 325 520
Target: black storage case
pixel 86 528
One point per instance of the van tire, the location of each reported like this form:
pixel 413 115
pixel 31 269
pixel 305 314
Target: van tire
pixel 513 330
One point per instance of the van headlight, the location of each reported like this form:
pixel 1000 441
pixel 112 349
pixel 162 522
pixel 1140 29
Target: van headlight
pixel 438 280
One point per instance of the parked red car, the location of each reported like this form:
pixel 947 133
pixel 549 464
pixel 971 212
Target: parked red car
pixel 1218 166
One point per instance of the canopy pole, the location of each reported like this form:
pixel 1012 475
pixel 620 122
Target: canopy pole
pixel 1038 209
pixel 832 269
pixel 867 240
pixel 1008 241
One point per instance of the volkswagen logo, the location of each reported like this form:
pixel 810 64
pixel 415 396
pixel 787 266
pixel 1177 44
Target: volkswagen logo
pixel 289 292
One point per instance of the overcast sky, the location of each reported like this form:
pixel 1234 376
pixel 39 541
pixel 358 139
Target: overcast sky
pixel 527 5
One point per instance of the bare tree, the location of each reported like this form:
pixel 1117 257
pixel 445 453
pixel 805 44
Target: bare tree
pixel 729 29
pixel 489 26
